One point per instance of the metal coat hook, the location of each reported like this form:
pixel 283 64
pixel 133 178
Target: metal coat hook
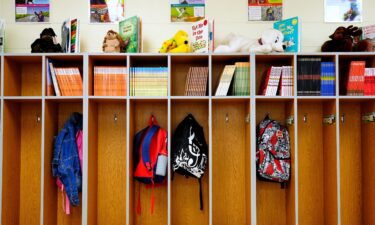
pixel 305 118
pixel 226 118
pixel 247 118
pixel 38 119
pixel 115 117
pixel 343 118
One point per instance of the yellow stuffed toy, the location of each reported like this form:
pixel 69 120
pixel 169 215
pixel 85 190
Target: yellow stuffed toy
pixel 178 44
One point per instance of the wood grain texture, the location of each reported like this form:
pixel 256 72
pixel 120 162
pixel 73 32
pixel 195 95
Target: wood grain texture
pixel 56 114
pixel 11 164
pixel 30 163
pixel 330 166
pixel 310 163
pixel 351 164
pixel 267 192
pixel 185 206
pixel 368 162
pixel 31 79
pixel 230 164
pixel 111 186
pixel 92 204
pixel 141 115
pixel 12 78
pixel 290 192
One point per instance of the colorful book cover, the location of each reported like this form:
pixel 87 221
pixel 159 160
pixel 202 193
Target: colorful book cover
pixel 74 34
pixel 32 11
pixel 2 35
pixel 200 36
pixel 129 32
pixel 106 11
pixel 187 10
pixel 368 33
pixel 265 10
pixel 291 30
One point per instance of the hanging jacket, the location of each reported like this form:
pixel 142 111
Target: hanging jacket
pixel 65 162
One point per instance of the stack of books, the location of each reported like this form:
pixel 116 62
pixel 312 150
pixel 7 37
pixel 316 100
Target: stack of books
pixel 241 84
pixel 278 81
pixel 328 79
pixel 369 81
pixel 148 81
pixel 308 76
pixel 109 81
pixel 196 81
pixel 356 78
pixel 63 81
pixel 234 79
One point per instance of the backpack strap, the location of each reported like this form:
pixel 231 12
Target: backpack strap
pixel 200 193
pixel 146 146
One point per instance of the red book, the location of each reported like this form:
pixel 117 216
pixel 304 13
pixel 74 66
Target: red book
pixel 355 84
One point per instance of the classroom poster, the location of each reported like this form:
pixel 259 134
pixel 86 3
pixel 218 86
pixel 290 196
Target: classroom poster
pixel 187 10
pixel 32 11
pixel 107 11
pixel 265 10
pixel 343 11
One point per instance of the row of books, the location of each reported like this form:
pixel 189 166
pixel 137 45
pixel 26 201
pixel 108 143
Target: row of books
pixel 110 80
pixel 278 81
pixel 361 80
pixel 70 37
pixel 234 80
pixel 196 81
pixel 63 81
pixel 314 77
pixel 148 81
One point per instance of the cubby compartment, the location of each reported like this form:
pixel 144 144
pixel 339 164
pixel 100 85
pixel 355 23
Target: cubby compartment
pixel 110 65
pixel 149 76
pixel 180 68
pixel 140 113
pixel 264 62
pixel 218 64
pixel 185 200
pixel 64 62
pixel 107 172
pixel 317 162
pixel 270 193
pixel 57 112
pixel 21 149
pixel 23 75
pixel 357 179
pixel 231 162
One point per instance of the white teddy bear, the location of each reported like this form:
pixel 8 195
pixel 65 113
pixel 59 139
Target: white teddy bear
pixel 271 41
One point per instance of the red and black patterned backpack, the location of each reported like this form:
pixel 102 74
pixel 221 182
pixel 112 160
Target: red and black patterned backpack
pixel 273 151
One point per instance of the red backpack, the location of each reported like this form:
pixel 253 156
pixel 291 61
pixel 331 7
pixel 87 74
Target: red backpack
pixel 150 157
pixel 273 151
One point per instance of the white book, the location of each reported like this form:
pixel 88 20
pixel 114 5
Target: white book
pixel 225 80
pixel 54 79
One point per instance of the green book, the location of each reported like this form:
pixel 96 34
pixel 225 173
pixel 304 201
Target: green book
pixel 129 30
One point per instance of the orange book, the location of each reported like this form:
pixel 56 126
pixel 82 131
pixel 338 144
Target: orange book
pixel 70 81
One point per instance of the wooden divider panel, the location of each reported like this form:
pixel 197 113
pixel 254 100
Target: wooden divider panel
pixel 185 206
pixel 230 163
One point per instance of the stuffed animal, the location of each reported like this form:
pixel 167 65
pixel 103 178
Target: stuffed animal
pixel 46 42
pixel 178 44
pixel 270 41
pixel 113 42
pixel 345 40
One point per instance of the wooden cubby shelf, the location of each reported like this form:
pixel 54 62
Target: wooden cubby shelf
pixel 331 165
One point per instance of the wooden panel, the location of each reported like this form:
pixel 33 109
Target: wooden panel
pixel 132 197
pixel 310 164
pixel 268 192
pixel 31 79
pixel 11 164
pixel 330 166
pixel 92 204
pixel 111 191
pixel 290 193
pixel 185 203
pixel 368 162
pixel 12 80
pixel 30 164
pixel 142 112
pixel 230 164
pixel 350 164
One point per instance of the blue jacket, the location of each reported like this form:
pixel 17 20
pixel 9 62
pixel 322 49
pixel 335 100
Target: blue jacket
pixel 65 162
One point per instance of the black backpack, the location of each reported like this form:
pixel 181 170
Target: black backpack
pixel 189 151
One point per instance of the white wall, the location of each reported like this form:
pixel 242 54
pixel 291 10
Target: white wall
pixel 230 16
